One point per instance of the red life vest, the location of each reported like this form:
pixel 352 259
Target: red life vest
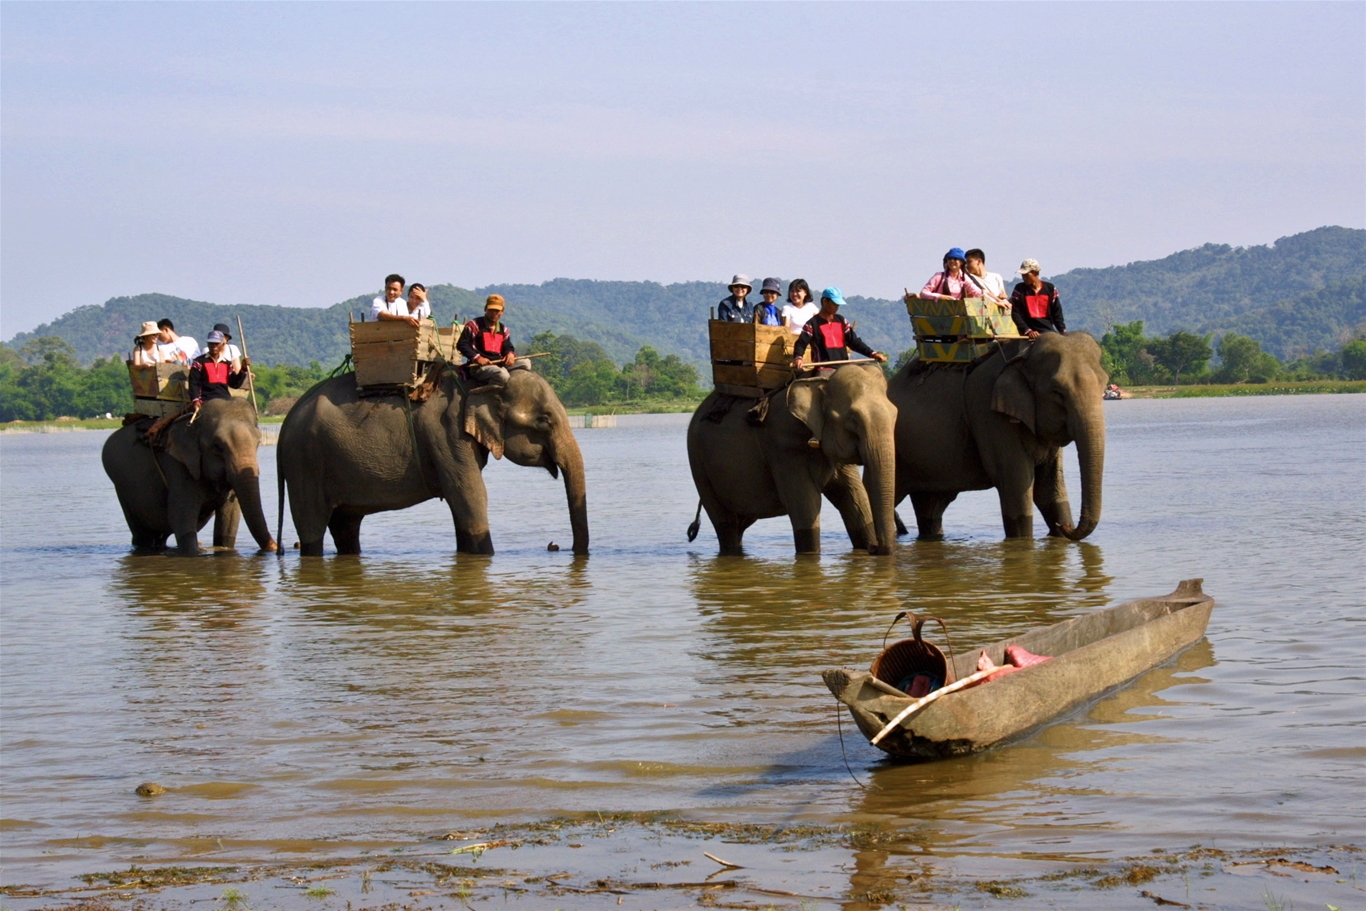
pixel 217 371
pixel 1037 304
pixel 493 343
pixel 832 333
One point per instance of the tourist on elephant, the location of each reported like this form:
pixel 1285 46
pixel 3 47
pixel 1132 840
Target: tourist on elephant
pixel 146 353
pixel 213 373
pixel 1036 307
pixel 418 307
pixel 487 345
pixel 988 284
pixel 230 351
pixel 767 312
pixel 391 305
pixel 829 335
pixel 175 347
pixel 799 307
pixel 950 284
pixel 734 309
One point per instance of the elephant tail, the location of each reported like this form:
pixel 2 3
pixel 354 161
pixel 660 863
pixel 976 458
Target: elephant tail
pixel 280 520
pixel 696 525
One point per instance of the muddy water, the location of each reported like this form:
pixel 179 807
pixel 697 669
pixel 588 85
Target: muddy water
pixel 313 709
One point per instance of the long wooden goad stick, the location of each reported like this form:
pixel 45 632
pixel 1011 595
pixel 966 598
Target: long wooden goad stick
pixel 862 360
pixel 251 379
pixel 926 700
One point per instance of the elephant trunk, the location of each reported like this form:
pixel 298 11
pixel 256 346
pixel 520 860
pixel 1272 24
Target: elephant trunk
pixel 570 462
pixel 879 474
pixel 1087 426
pixel 246 484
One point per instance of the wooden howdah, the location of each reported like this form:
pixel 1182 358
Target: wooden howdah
pixel 161 389
pixel 165 389
pixel 749 359
pixel 395 353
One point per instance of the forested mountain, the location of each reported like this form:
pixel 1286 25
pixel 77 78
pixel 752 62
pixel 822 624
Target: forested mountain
pixel 1277 294
pixel 1301 293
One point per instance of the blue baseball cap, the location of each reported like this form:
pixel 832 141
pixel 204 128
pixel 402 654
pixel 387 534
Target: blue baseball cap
pixel 956 253
pixel 833 295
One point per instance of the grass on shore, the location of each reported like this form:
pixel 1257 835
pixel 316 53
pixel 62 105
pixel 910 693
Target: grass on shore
pixel 1303 387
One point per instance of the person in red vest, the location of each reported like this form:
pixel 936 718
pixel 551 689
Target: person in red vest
pixel 487 345
pixel 212 373
pixel 1034 303
pixel 829 335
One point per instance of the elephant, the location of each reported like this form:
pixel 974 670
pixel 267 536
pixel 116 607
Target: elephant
pixel 344 455
pixel 196 468
pixel 745 472
pixel 1001 422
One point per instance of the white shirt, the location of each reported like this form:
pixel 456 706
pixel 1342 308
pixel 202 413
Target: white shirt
pixel 183 349
pixel 992 281
pixel 400 308
pixel 141 357
pixel 798 315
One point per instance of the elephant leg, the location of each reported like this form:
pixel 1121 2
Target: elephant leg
pixel 1016 493
pixel 183 502
pixel 462 486
pixel 345 529
pixel 1050 494
pixel 729 526
pixel 847 493
pixel 225 521
pixel 802 501
pixel 929 509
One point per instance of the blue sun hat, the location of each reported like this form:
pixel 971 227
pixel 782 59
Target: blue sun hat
pixel 833 295
pixel 956 253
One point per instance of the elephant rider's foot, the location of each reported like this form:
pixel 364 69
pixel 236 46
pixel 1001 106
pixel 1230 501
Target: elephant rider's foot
pixel 814 444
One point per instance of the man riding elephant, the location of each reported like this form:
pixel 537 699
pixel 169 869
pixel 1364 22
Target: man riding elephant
pixel 829 335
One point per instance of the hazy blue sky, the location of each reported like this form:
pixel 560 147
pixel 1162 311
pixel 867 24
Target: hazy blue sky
pixel 294 154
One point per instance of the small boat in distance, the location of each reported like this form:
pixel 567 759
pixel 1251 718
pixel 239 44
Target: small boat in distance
pixel 1089 656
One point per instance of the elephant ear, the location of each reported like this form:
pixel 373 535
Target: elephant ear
pixel 1012 396
pixel 183 444
pixel 806 401
pixel 484 420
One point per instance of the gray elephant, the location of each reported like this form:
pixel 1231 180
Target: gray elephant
pixel 745 472
pixel 344 456
pixel 192 470
pixel 1001 422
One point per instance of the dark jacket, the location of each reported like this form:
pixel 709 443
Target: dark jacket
pixel 732 312
pixel 210 379
pixel 823 336
pixel 480 339
pixel 1038 310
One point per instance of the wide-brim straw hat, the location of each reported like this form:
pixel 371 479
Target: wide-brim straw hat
pixel 149 328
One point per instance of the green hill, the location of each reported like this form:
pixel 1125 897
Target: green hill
pixel 1301 293
pixel 1273 293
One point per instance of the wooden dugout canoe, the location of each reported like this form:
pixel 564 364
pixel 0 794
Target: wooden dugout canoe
pixel 1091 655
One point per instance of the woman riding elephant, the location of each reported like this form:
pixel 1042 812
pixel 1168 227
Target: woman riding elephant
pixel 1001 422
pixel 344 457
pixel 817 430
pixel 172 481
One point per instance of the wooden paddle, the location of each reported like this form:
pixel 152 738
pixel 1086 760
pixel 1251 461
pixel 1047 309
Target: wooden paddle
pixel 926 700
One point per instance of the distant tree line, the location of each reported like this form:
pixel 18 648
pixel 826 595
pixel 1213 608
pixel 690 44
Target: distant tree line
pixel 44 380
pixel 582 374
pixel 1133 358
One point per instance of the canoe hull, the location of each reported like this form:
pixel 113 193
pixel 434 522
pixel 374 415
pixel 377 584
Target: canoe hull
pixel 1091 655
